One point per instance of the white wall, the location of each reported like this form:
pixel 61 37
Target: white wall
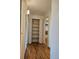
pixel 45 28
pixel 54 30
pixel 23 11
pixel 26 31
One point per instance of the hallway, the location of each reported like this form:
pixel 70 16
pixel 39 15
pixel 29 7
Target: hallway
pixel 37 51
pixel 39 29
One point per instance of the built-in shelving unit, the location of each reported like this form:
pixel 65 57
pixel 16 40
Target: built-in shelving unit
pixel 35 30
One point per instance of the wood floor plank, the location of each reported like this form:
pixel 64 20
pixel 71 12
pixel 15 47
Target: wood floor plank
pixel 37 51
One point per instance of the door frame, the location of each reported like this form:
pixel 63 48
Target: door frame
pixel 39 30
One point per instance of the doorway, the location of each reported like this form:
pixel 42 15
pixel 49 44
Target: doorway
pixel 35 30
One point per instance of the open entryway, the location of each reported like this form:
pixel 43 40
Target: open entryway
pixel 35 30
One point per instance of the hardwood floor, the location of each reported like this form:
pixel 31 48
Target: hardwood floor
pixel 37 51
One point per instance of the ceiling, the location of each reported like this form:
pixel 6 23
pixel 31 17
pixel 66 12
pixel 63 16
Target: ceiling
pixel 40 7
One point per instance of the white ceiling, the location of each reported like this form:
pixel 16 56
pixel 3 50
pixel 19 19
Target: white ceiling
pixel 41 7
